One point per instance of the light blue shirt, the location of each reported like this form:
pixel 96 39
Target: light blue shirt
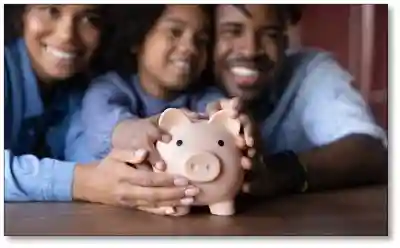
pixel 32 128
pixel 112 98
pixel 319 106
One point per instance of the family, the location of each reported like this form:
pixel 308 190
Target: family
pixel 84 88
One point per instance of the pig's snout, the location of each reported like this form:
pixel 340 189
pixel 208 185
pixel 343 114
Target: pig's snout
pixel 202 167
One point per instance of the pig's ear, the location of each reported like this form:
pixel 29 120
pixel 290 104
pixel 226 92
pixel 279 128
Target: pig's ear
pixel 172 117
pixel 223 117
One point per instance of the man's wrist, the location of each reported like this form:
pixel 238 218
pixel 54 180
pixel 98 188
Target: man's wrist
pixel 290 172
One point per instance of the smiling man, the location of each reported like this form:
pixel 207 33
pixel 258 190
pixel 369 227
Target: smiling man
pixel 315 131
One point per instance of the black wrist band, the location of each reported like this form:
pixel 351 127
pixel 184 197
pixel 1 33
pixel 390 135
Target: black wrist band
pixel 288 163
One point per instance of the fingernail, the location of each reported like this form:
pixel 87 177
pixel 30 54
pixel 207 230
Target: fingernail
pixel 246 162
pixel 251 142
pixel 181 182
pixel 191 191
pixel 203 115
pixel 246 188
pixel 159 165
pixel 140 152
pixel 170 211
pixel 187 201
pixel 252 152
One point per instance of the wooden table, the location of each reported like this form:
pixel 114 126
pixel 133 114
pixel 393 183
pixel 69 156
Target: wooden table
pixel 358 211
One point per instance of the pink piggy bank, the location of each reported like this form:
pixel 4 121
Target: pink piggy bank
pixel 205 152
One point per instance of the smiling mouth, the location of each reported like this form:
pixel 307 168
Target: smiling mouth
pixel 244 76
pixel 182 65
pixel 60 54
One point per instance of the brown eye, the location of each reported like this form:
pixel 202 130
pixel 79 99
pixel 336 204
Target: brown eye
pixel 54 12
pixel 221 143
pixel 271 35
pixel 91 19
pixel 179 142
pixel 232 30
pixel 176 33
pixel 49 11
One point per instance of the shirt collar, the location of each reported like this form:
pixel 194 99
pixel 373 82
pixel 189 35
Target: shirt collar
pixel 33 100
pixel 153 105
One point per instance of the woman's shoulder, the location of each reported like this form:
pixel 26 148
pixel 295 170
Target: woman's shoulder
pixel 14 53
pixel 17 68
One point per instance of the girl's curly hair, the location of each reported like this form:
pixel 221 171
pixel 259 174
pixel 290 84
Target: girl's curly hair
pixel 131 23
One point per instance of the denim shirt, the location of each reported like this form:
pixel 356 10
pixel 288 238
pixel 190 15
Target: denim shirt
pixel 34 134
pixel 319 105
pixel 112 98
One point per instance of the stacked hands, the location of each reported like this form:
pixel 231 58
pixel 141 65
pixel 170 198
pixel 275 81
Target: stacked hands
pixel 136 179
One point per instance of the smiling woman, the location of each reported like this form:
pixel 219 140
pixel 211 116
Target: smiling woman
pixel 60 39
pixel 47 66
pixel 75 28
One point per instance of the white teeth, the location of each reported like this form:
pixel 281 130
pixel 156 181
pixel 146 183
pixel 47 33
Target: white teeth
pixel 60 54
pixel 244 72
pixel 181 64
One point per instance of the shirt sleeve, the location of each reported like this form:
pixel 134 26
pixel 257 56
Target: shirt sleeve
pixel 103 107
pixel 333 108
pixel 210 94
pixel 28 178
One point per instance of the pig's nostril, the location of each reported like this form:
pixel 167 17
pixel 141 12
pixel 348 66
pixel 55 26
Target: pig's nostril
pixel 194 167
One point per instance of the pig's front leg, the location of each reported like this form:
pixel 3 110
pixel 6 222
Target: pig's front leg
pixel 224 208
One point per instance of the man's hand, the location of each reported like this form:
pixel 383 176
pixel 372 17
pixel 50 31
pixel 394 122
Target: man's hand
pixel 262 181
pixel 245 141
pixel 112 181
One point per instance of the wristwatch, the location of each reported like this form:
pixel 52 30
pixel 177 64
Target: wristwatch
pixel 288 162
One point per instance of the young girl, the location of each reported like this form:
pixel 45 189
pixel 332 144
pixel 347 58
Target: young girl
pixel 158 56
pixel 46 69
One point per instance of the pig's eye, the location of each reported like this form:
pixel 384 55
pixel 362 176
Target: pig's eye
pixel 220 142
pixel 179 142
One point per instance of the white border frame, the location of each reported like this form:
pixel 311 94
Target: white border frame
pixel 394 85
